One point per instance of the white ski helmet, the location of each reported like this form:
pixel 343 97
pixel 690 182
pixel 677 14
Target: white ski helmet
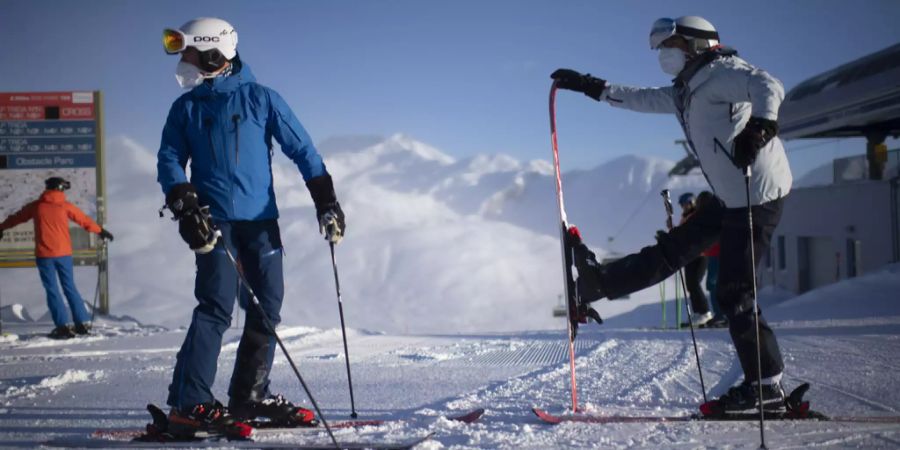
pixel 204 34
pixel 699 33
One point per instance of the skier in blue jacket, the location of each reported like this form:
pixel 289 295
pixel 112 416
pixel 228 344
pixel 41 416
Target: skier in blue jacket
pixel 224 127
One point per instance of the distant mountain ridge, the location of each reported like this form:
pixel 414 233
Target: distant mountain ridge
pixel 499 187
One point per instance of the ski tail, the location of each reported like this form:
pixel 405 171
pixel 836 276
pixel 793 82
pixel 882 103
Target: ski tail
pixel 468 417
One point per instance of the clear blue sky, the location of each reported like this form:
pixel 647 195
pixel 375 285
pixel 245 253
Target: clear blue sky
pixel 465 76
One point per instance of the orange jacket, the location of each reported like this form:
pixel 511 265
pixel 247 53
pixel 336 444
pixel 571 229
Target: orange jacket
pixel 51 214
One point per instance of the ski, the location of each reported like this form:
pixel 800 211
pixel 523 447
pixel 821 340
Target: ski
pixel 552 419
pixel 567 259
pixel 796 409
pixel 155 428
pixel 87 442
pixel 467 417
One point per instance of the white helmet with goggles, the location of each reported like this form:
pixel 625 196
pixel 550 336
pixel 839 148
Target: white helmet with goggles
pixel 204 34
pixel 699 33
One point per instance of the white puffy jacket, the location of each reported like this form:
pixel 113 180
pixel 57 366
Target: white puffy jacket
pixel 722 96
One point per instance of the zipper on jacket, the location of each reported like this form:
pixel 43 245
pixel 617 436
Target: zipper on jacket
pixel 212 148
pixel 237 138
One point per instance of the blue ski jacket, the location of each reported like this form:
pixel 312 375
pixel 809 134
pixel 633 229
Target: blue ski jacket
pixel 224 127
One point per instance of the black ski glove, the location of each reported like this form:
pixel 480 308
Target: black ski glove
pixel 569 79
pixel 194 224
pixel 182 200
pixel 328 210
pixel 105 234
pixel 660 235
pixel 755 135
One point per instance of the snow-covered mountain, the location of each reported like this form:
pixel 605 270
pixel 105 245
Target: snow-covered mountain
pixel 433 243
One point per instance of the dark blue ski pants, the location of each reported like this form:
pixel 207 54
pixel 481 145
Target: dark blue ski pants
pixel 257 247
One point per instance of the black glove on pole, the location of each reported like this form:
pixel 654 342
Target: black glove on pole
pixel 194 222
pixel 328 210
pixel 755 135
pixel 105 234
pixel 571 80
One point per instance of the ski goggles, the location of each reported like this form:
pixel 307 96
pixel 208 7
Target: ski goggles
pixel 174 41
pixel 665 28
pixel 662 29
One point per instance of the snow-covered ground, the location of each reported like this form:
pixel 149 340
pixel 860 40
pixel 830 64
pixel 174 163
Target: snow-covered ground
pixel 844 339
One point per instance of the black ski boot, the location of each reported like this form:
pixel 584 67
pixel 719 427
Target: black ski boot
pixel 210 418
pixel 83 329
pixel 588 282
pixel 274 411
pixel 743 398
pixel 62 332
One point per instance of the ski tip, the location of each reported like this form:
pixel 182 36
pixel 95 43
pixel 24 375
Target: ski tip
pixel 545 416
pixel 470 416
pixel 160 418
pixel 795 399
pixel 240 430
pixel 709 409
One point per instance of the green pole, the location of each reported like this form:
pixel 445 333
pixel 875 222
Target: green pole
pixel 677 305
pixel 662 302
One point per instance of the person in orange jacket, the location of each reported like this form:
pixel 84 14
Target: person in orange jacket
pixel 53 252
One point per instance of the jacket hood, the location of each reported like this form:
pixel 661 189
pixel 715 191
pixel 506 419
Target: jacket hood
pixel 53 196
pixel 240 75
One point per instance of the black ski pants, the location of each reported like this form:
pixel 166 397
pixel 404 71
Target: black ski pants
pixel 734 293
pixel 693 276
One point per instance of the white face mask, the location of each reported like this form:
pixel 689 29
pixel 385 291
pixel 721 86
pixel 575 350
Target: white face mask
pixel 188 75
pixel 671 60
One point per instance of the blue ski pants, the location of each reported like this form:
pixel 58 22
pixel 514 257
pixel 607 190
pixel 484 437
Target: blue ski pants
pixel 257 247
pixel 50 269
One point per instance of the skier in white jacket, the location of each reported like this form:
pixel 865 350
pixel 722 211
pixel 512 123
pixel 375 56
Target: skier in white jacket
pixel 728 111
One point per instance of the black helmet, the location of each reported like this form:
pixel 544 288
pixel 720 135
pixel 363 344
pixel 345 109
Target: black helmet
pixel 686 198
pixel 57 183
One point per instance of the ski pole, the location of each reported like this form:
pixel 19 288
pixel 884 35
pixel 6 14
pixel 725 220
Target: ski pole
pixel 668 203
pixel 337 286
pixel 762 418
pixel 97 290
pixel 271 328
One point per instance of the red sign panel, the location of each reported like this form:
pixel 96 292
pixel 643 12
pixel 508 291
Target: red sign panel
pixel 47 106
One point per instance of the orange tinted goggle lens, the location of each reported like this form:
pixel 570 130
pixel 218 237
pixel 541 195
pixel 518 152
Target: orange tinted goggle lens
pixel 173 41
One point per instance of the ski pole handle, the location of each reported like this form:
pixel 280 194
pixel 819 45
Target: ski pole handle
pixel 667 201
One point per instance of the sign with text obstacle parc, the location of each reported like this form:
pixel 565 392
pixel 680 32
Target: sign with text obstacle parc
pixel 47 134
